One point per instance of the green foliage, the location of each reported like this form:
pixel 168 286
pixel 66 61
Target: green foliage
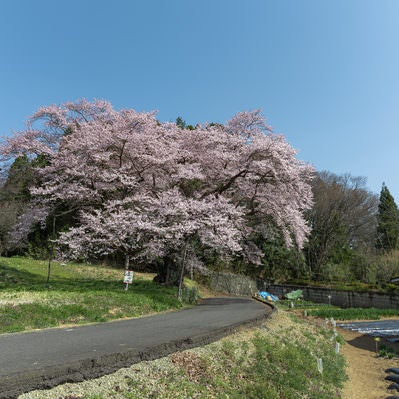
pixel 336 272
pixel 19 178
pixel 180 122
pixel 37 245
pixel 14 194
pixel 41 161
pixel 280 262
pixel 388 222
pixel 190 186
pixel 387 352
pixel 14 197
pixel 190 295
pixel 183 125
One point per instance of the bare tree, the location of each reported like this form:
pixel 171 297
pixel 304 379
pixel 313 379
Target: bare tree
pixel 343 216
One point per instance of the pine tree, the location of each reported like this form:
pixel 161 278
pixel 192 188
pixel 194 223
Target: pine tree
pixel 388 221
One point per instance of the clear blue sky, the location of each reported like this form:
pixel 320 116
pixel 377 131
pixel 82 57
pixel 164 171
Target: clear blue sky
pixel 324 72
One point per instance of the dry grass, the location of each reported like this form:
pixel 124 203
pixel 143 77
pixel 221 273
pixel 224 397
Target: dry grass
pixel 233 367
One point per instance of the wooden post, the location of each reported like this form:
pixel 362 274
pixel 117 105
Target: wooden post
pixel 126 268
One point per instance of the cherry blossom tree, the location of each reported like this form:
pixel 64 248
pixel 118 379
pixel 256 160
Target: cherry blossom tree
pixel 148 189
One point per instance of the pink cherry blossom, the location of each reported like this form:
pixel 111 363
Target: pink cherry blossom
pixel 147 188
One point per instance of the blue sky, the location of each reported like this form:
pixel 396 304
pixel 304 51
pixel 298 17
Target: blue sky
pixel 324 72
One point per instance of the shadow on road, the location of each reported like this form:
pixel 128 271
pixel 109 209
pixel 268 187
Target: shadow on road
pixel 222 301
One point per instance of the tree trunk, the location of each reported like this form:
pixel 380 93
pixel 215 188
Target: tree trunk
pixel 51 254
pixel 168 272
pixel 182 272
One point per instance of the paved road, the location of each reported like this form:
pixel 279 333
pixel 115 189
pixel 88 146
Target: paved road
pixel 43 359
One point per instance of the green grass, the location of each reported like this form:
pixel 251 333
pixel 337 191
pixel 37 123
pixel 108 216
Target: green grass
pixel 76 294
pixel 328 311
pixel 353 313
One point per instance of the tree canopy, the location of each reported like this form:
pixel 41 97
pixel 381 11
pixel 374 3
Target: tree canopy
pixel 149 189
pixel 343 219
pixel 388 221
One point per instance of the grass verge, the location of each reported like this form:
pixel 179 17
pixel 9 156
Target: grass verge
pixel 77 294
pixel 328 311
pixel 276 361
pixel 354 313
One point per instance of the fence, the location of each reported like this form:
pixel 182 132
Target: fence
pixel 246 286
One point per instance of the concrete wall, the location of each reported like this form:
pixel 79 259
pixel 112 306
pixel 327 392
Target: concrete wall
pixel 243 285
pixel 345 299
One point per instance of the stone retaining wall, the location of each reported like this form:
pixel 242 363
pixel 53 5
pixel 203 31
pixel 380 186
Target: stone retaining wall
pixel 246 286
pixel 235 284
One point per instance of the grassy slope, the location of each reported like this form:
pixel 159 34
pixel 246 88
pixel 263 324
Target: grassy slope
pixel 279 360
pixel 77 294
pixel 274 362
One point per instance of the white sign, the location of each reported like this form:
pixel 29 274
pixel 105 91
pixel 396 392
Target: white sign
pixel 128 278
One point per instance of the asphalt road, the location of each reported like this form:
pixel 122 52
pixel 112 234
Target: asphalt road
pixel 46 358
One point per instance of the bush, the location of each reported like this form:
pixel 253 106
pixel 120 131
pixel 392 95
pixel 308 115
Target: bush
pixel 387 266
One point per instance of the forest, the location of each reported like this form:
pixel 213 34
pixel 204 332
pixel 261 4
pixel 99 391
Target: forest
pixel 88 183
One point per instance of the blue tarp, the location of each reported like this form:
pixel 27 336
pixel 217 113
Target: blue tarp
pixel 267 296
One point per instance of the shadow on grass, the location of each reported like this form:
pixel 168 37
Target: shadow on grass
pixel 16 279
pixel 13 278
pixel 75 299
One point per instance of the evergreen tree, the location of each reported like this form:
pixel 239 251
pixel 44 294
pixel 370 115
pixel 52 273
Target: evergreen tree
pixel 388 221
pixel 20 176
pixel 181 123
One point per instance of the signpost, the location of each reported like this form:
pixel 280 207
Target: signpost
pixel 128 278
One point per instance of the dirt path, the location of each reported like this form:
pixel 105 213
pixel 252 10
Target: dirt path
pixel 366 371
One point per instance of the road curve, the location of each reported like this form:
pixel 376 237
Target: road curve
pixel 43 359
